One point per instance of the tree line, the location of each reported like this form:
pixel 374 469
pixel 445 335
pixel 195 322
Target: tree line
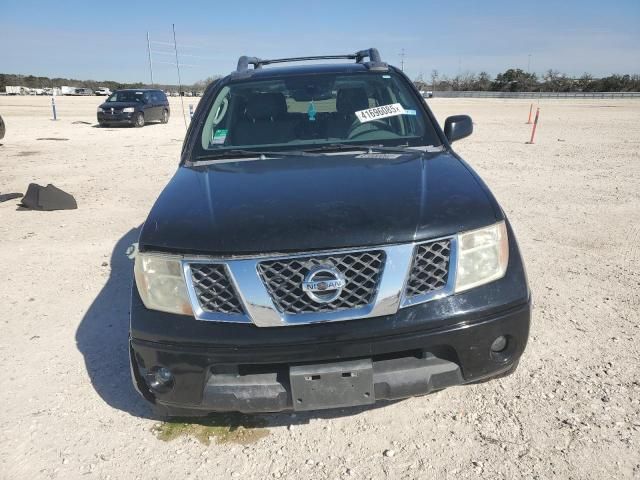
pixel 32 81
pixel 512 80
pixel 517 80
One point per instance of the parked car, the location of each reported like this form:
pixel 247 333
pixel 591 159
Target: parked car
pixel 134 107
pixel 102 91
pixel 2 128
pixel 312 254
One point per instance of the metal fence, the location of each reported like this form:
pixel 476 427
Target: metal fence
pixel 454 94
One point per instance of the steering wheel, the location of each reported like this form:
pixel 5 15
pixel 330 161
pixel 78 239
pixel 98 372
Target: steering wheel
pixel 358 129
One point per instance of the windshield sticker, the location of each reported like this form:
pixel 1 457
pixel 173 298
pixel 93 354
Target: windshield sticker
pixel 382 111
pixel 219 137
pixel 386 76
pixel 410 112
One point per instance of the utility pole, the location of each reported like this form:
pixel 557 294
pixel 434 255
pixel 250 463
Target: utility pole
pixel 175 46
pixel 402 60
pixel 150 62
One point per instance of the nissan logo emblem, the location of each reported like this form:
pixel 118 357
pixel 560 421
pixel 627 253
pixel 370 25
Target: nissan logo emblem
pixel 323 284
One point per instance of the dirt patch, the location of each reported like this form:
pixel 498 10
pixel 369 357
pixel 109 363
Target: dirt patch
pixel 231 428
pixel 27 153
pixel 57 139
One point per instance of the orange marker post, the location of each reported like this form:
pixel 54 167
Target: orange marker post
pixel 530 110
pixel 535 124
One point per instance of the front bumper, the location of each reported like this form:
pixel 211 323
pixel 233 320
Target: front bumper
pixel 116 118
pixel 258 378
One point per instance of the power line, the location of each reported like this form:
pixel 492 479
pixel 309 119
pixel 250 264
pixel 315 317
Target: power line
pixel 160 52
pixel 173 63
pixel 181 46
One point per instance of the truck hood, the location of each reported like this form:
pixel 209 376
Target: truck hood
pixel 316 202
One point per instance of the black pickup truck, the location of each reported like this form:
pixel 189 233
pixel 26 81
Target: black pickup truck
pixel 321 245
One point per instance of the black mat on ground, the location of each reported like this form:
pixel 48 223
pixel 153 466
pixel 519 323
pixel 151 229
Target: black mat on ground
pixel 48 198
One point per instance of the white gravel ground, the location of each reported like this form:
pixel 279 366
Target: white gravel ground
pixel 572 409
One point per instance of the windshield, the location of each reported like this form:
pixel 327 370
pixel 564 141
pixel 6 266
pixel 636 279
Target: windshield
pixel 130 96
pixel 309 111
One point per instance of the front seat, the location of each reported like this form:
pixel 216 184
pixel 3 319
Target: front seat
pixel 348 101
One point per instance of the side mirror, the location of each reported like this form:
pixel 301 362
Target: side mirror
pixel 457 127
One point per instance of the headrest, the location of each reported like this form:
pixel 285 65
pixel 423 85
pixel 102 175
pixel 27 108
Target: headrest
pixel 262 106
pixel 351 100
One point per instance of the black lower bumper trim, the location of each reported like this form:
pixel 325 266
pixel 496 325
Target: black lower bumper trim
pixel 416 363
pixel 392 379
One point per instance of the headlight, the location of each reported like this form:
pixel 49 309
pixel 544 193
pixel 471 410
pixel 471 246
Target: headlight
pixel 128 109
pixel 161 284
pixel 483 256
pixel 100 109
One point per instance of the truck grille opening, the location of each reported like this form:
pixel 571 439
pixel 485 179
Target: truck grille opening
pixel 430 268
pixel 361 271
pixel 214 290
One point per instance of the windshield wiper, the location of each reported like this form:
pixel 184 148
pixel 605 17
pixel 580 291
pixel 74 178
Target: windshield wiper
pixel 240 153
pixel 368 148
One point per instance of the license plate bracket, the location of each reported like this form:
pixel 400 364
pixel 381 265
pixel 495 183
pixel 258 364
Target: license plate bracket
pixel 332 385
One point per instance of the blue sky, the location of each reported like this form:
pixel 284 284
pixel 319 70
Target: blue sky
pixel 107 40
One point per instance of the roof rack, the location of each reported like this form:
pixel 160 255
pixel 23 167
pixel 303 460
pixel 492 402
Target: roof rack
pixel 374 63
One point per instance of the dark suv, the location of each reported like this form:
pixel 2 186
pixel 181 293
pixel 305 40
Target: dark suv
pixel 134 107
pixel 321 245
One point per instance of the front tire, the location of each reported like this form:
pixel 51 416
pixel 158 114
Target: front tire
pixel 165 116
pixel 138 122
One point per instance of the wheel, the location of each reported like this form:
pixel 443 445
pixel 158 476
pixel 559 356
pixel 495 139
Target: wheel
pixel 165 116
pixel 103 125
pixel 139 120
pixel 2 128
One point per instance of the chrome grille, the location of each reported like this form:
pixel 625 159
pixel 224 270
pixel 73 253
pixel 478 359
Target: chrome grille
pixel 214 290
pixel 429 268
pixel 361 270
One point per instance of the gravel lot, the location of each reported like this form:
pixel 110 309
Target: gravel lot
pixel 572 409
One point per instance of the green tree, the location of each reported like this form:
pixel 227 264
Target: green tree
pixel 514 80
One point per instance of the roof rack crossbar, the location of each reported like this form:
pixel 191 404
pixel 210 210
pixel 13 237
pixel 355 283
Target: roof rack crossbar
pixel 371 53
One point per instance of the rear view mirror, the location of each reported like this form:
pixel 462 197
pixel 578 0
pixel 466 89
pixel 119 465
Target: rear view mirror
pixel 457 127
